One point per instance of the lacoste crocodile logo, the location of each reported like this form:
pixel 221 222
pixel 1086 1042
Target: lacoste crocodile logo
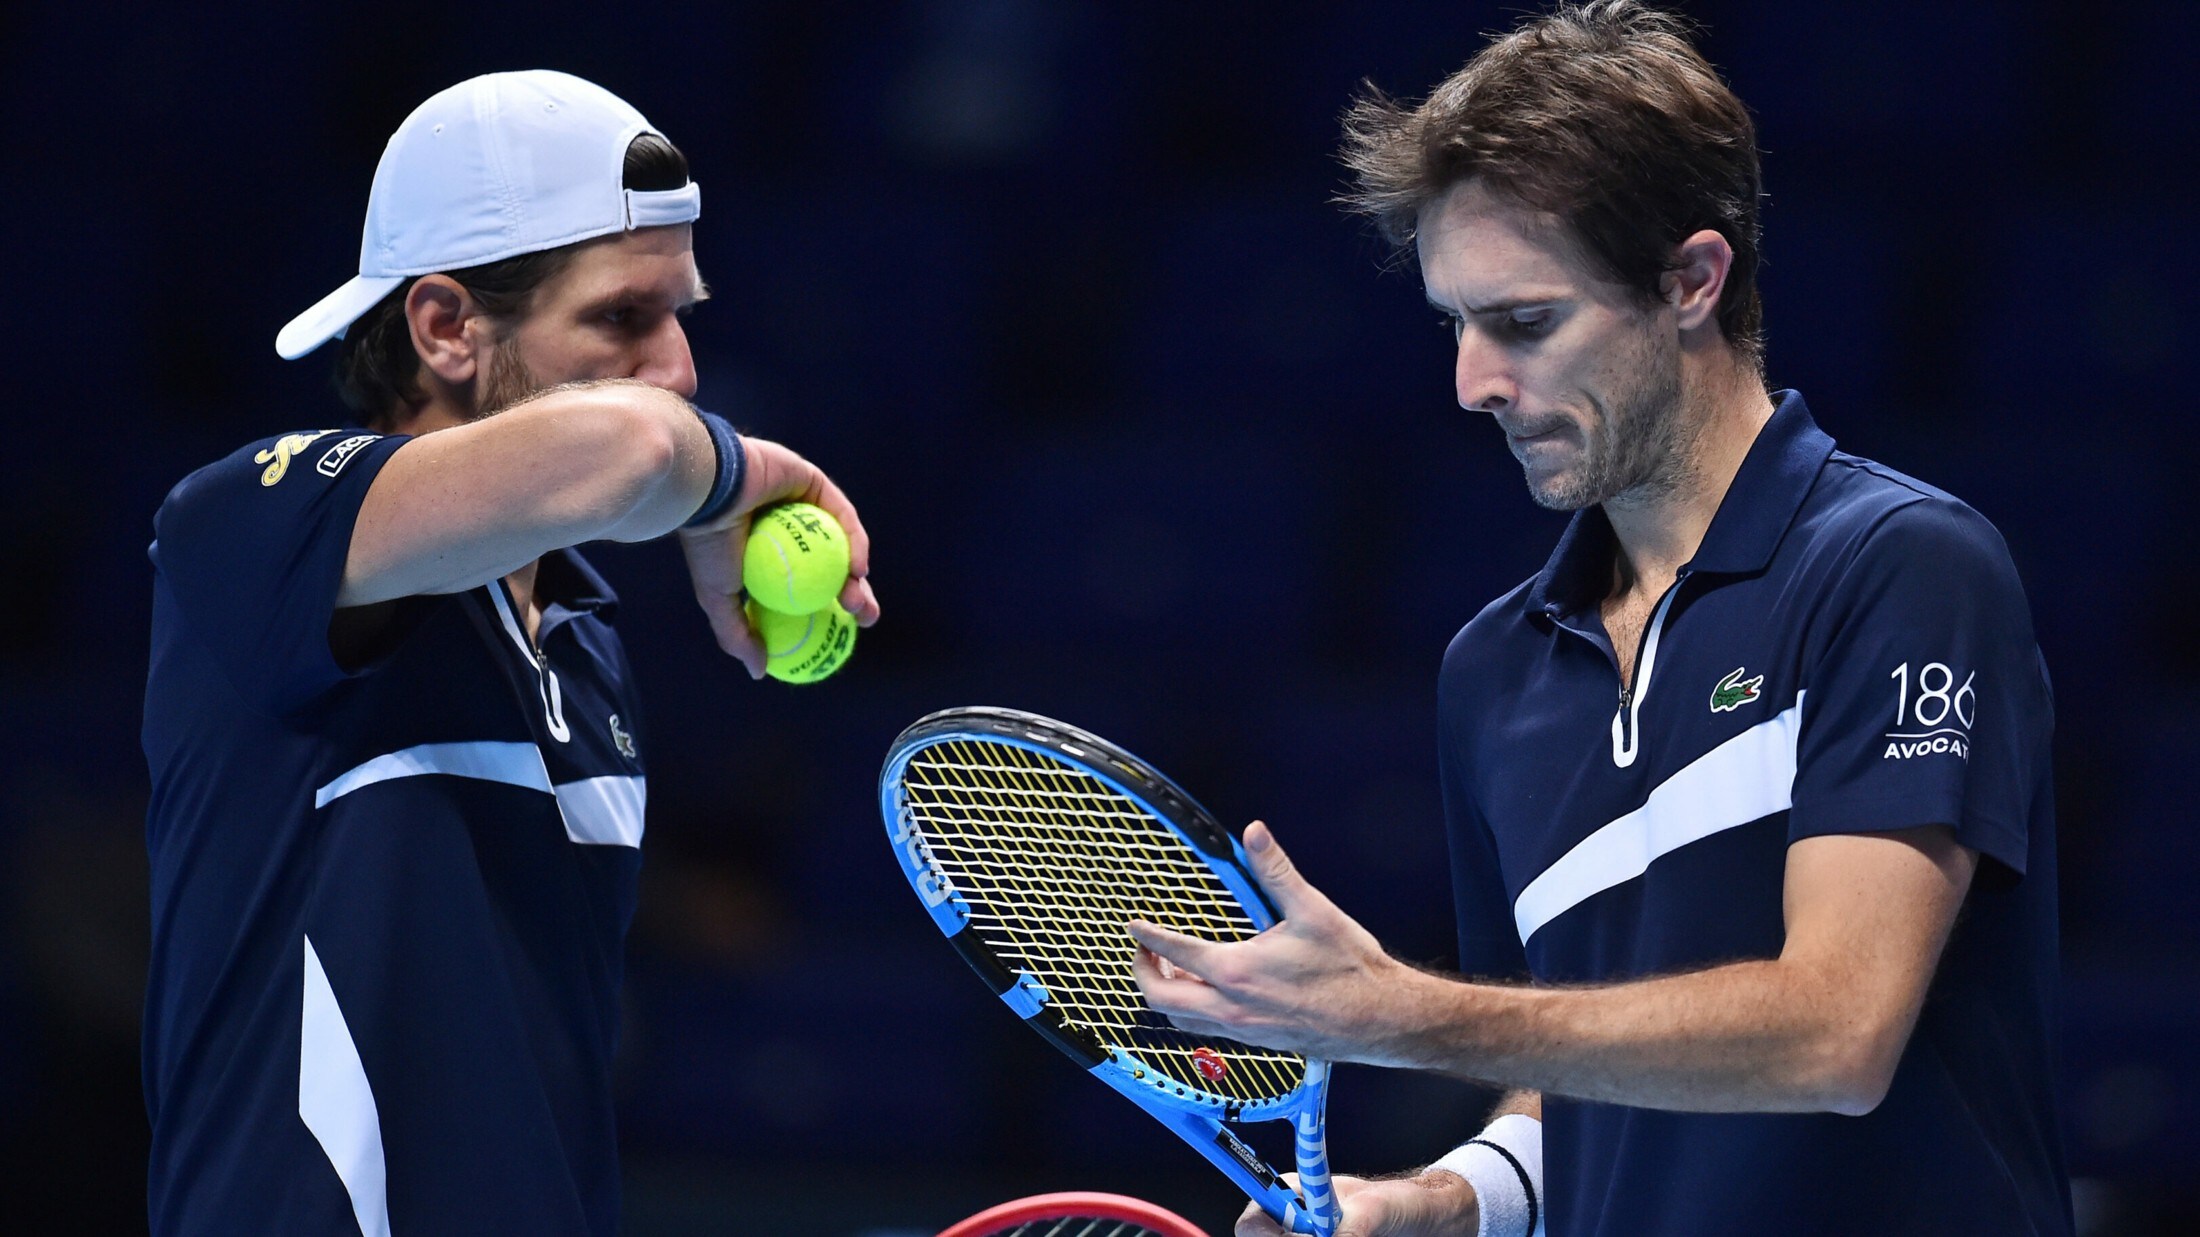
pixel 1734 691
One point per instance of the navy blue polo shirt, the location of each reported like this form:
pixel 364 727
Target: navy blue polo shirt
pixel 1849 651
pixel 389 898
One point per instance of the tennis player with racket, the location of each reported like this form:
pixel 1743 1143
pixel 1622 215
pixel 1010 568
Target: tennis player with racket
pixel 1769 944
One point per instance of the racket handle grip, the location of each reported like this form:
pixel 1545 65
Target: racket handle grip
pixel 1297 1219
pixel 1319 1212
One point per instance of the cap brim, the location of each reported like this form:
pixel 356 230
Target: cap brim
pixel 332 313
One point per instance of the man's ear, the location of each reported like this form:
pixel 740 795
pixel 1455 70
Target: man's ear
pixel 445 323
pixel 1697 278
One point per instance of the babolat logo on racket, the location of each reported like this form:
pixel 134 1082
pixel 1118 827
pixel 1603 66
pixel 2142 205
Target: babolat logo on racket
pixel 1245 1155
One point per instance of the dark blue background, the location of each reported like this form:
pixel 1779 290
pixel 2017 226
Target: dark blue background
pixel 1148 439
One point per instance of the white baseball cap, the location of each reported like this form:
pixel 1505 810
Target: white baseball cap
pixel 494 167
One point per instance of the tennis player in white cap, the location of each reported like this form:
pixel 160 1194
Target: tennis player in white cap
pixel 397 764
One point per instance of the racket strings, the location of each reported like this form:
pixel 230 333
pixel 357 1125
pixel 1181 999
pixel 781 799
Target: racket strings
pixel 1076 1226
pixel 1052 887
pixel 1051 863
pixel 1112 1004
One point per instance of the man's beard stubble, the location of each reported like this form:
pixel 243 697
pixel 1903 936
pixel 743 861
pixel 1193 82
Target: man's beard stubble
pixel 508 381
pixel 1639 446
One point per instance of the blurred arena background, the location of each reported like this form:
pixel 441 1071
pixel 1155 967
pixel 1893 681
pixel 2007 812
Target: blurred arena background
pixel 1135 415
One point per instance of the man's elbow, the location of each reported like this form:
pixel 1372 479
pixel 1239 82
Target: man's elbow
pixel 649 445
pixel 623 429
pixel 636 456
pixel 1860 1098
pixel 1855 1070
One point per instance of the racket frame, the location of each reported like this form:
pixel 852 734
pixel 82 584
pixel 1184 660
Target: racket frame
pixel 1198 1116
pixel 1079 1205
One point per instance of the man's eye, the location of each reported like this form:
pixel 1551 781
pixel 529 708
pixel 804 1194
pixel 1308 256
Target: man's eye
pixel 1527 326
pixel 621 316
pixel 1456 325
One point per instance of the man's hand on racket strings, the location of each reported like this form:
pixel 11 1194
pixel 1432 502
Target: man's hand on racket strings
pixel 1433 1204
pixel 774 474
pixel 1316 983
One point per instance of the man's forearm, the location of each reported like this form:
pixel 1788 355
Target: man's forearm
pixel 1820 1028
pixel 1746 1037
pixel 456 508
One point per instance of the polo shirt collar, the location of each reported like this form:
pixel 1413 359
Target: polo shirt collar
pixel 1769 488
pixel 569 585
pixel 1579 572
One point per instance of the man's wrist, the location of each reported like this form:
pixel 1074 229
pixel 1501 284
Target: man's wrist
pixel 1450 1204
pixel 731 465
pixel 1419 1021
pixel 1504 1166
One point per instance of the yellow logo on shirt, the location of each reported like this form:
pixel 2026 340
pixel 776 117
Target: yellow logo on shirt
pixel 277 457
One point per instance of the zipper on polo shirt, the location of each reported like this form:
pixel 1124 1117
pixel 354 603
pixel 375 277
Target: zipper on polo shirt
pixel 1627 722
pixel 546 679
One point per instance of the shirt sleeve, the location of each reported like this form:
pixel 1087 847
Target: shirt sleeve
pixel 252 548
pixel 1929 703
pixel 1489 943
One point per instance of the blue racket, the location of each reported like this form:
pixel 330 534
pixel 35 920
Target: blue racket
pixel 1032 844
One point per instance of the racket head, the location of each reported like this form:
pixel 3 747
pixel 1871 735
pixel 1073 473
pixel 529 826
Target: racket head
pixel 1007 823
pixel 1075 1214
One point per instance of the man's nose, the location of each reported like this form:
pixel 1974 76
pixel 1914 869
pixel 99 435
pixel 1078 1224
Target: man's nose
pixel 666 361
pixel 1482 375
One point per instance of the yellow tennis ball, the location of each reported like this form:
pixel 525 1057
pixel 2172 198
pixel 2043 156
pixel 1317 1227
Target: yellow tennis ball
pixel 804 648
pixel 796 559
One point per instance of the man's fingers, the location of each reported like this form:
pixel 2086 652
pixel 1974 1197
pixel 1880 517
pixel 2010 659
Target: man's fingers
pixel 1157 974
pixel 1174 948
pixel 1186 1000
pixel 859 600
pixel 1257 1223
pixel 738 642
pixel 778 474
pixel 746 648
pixel 1173 991
pixel 826 494
pixel 1276 874
pixel 731 626
pixel 716 575
pixel 1193 1024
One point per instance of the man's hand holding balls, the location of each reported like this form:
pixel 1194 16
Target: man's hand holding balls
pixel 795 547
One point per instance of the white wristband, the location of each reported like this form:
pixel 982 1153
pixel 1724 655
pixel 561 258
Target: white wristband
pixel 1504 1164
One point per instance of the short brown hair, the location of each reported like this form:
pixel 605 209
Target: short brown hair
pixel 1602 114
pixel 377 369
